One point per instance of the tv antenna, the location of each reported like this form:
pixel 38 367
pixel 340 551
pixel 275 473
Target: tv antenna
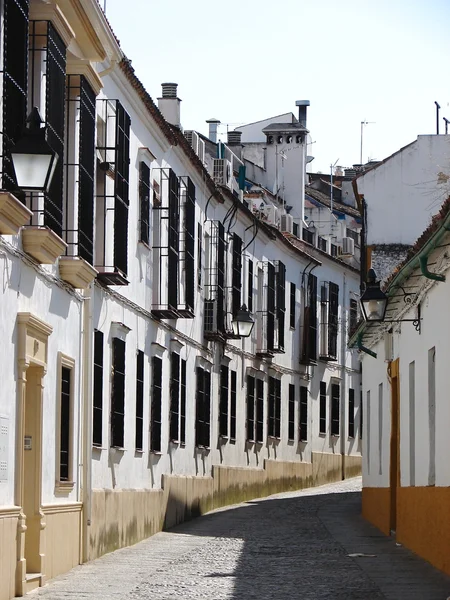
pixel 363 124
pixel 331 184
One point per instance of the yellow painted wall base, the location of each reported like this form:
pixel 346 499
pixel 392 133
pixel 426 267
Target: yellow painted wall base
pixel 8 552
pixel 376 507
pixel 423 523
pixel 124 517
pixel 62 538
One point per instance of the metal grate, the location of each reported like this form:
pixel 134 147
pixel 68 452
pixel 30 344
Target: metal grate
pixel 65 409
pixel 156 415
pixel 203 408
pixel 309 327
pixel 97 415
pixel 174 416
pixel 214 286
pixel 117 393
pixel 139 433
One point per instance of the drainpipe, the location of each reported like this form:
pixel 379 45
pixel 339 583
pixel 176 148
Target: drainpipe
pixel 423 261
pixel 343 376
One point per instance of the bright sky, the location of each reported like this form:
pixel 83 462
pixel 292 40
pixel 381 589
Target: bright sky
pixel 384 61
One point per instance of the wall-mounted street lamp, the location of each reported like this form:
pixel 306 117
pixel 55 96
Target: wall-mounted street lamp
pixel 33 159
pixel 243 322
pixel 374 303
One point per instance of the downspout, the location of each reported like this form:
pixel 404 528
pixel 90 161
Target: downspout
pixel 343 377
pixel 108 70
pixel 359 346
pixel 423 261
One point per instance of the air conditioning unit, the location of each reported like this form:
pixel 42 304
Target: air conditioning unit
pixel 270 214
pixel 201 150
pixel 348 247
pixel 222 172
pixel 192 138
pixel 287 223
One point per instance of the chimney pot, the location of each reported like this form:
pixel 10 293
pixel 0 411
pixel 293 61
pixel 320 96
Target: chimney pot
pixel 212 133
pixel 302 108
pixel 169 90
pixel 234 138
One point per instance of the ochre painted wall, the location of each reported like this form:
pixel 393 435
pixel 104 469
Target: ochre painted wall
pixel 376 507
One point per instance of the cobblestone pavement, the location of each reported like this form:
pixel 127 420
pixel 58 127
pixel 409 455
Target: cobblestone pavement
pixel 288 546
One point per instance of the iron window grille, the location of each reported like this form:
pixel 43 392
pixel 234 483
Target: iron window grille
pixel 329 309
pixel 280 308
pixel 79 168
pixel 97 415
pixel 233 402
pixel 292 298
pixel 250 286
pixel 274 416
pixel 291 412
pixel 156 414
pixel 187 249
pixel 360 415
pixel 118 393
pixel 335 409
pixel 199 254
pixel 14 84
pixel 259 428
pixel 351 413
pixel 64 446
pixel 322 243
pixel 353 317
pixel 308 236
pixel 250 420
pixel 236 277
pixel 203 408
pixel 303 415
pixel 265 317
pixel 333 250
pixel 113 154
pixel 223 401
pixel 323 407
pixel 354 235
pixel 139 434
pixel 183 403
pixel 174 416
pixel 308 353
pixel 144 203
pixel 214 285
pixel 47 48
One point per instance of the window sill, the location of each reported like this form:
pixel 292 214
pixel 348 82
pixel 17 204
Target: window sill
pixel 335 435
pixel 322 434
pixel 139 451
pixel 117 448
pixel 156 452
pixel 64 486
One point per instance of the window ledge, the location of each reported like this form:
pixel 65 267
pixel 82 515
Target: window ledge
pixel 76 271
pixel 13 214
pixel 64 486
pixel 156 452
pixel 139 451
pixel 42 244
pixel 117 448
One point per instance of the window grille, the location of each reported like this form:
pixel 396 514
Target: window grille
pixel 113 150
pixel 156 415
pixel 308 236
pixel 183 403
pixel 203 408
pixel 250 286
pixel 274 417
pixel 233 400
pixel 199 253
pixel 259 410
pixel 236 278
pixel 354 235
pixel 303 425
pixel 333 250
pixel 292 315
pixel 323 407
pixel 64 446
pixel 351 413
pixel 118 393
pixel 97 426
pixel 174 396
pixel 280 309
pixel 353 317
pixel 223 401
pixel 144 203
pixel 186 249
pixel 329 309
pixel 322 243
pixel 214 286
pixel 250 421
pixel 309 327
pixel 79 168
pixel 335 410
pixel 139 400
pixel 291 412
pixel 15 75
pixel 265 317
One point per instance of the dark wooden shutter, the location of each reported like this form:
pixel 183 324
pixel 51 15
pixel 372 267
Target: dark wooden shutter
pixel 156 425
pixel 303 429
pixel 250 422
pixel 281 302
pixel 118 393
pixel 236 279
pixel 207 409
pixel 278 408
pixel 144 202
pixel 121 189
pixel 291 411
pixel 233 398
pixel 271 406
pixel 64 446
pixel 174 237
pixel 221 278
pixel 250 286
pixel 333 311
pixel 259 410
pixel 292 306
pixel 323 407
pixel 271 306
pixel 97 415
pixel 189 250
pixel 174 395
pixel 139 400
pixel 223 401
pixel 335 410
pixel 183 403
pixel 351 413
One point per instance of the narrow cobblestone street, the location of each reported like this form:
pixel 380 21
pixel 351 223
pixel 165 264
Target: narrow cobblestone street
pixel 292 545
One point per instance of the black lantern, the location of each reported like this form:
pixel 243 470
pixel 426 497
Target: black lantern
pixel 33 159
pixel 374 300
pixel 243 322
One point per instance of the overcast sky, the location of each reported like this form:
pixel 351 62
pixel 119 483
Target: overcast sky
pixel 384 61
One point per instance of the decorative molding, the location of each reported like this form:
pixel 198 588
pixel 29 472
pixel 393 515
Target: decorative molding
pixel 77 66
pixel 146 153
pixel 13 214
pixel 49 11
pixel 33 324
pixel 76 271
pixel 119 330
pixel 176 345
pixel 205 363
pixel 7 512
pixel 64 487
pixel 53 509
pixel 157 349
pixel 258 373
pixel 42 244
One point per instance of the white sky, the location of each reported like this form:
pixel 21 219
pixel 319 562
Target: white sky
pixel 240 61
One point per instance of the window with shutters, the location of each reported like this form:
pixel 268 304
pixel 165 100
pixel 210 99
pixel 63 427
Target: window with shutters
pixel 47 80
pixel 203 408
pixel 361 416
pixel 97 415
pixel 323 407
pixel 292 301
pixel 214 281
pixel 309 326
pixel 112 200
pixel 186 284
pixel 183 403
pixel 280 306
pixel 236 274
pixel 259 435
pixel 291 412
pixel 199 254
pixel 274 406
pixel 139 433
pixel 250 286
pixel 308 236
pixel 250 404
pixel 223 401
pixel 335 409
pixel 353 317
pixel 351 413
pixel 64 430
pixel 267 305
pixel 144 203
pixel 329 308
pixel 15 73
pixel 303 415
pixel 156 412
pixel 117 416
pixel 79 167
pixel 174 416
pixel 233 400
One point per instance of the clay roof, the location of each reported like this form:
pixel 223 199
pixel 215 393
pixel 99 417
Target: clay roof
pixel 337 206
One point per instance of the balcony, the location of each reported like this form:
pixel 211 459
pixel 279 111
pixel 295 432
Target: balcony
pixel 76 271
pixel 42 244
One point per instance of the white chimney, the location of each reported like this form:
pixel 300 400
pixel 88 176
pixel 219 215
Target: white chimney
pixel 169 104
pixel 213 125
pixel 302 108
